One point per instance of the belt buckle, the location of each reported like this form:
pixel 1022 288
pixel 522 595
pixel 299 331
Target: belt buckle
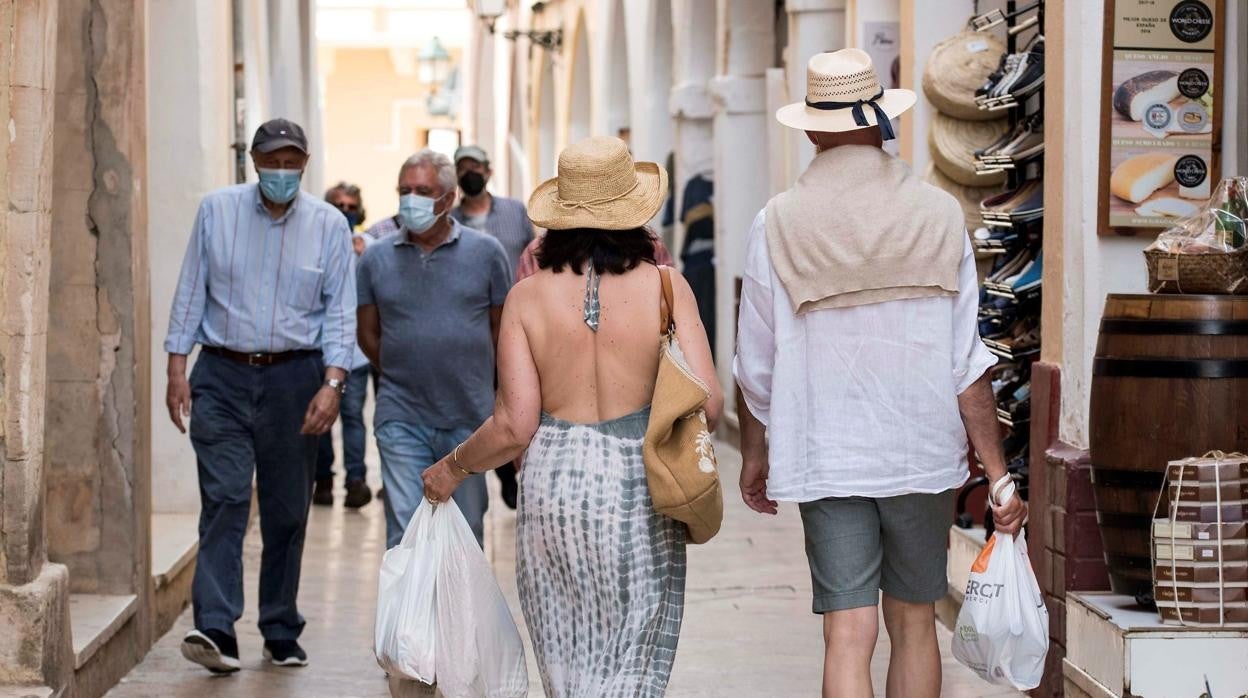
pixel 256 360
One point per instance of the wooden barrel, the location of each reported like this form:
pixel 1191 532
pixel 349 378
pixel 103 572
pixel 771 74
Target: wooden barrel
pixel 1170 380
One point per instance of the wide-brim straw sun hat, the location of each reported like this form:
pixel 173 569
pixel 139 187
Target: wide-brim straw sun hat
pixel 968 197
pixel 956 68
pixel 843 93
pixel 953 143
pixel 599 186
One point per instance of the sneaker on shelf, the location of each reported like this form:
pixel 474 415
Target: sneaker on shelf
pixel 212 649
pixel 285 653
pixel 323 495
pixel 358 494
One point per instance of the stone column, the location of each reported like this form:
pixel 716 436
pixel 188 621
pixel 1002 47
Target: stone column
pixel 34 645
pixel 745 50
pixel 814 26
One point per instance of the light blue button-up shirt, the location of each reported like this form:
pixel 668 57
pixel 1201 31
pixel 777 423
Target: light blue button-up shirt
pixel 253 284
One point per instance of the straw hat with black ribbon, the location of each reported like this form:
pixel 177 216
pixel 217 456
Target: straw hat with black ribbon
pixel 843 93
pixel 953 143
pixel 956 68
pixel 599 186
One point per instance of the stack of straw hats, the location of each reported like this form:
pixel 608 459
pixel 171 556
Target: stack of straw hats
pixel 956 68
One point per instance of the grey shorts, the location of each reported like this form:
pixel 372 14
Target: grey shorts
pixel 858 546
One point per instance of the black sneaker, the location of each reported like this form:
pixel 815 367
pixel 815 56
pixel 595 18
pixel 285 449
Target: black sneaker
pixel 212 649
pixel 323 495
pixel 285 653
pixel 358 494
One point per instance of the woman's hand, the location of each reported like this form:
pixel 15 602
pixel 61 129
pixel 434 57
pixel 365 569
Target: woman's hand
pixel 440 481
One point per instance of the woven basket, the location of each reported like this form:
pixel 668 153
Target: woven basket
pixel 1221 273
pixel 956 68
pixel 968 197
pixel 953 143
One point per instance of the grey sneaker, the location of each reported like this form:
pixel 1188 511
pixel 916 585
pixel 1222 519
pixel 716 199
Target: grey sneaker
pixel 212 649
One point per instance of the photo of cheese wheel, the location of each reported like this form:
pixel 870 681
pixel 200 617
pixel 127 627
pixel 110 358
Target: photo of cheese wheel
pixel 1137 178
pixel 1167 207
pixel 1136 94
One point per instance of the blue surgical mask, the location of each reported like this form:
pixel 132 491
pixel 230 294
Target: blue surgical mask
pixel 279 186
pixel 416 213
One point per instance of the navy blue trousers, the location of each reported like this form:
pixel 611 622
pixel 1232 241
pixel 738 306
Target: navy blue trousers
pixel 245 423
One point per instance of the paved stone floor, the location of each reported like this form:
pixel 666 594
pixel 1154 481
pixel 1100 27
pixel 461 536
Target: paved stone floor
pixel 748 630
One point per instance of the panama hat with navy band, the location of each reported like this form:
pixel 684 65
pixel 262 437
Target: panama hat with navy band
pixel 843 93
pixel 599 186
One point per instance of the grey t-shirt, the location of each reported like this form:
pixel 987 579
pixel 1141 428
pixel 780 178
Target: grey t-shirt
pixel 437 351
pixel 506 220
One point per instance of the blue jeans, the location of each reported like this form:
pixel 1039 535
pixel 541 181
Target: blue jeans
pixel 354 433
pixel 245 423
pixel 407 450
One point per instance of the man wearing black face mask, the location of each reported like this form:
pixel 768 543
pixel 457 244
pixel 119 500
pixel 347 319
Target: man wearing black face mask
pixel 505 219
pixel 501 217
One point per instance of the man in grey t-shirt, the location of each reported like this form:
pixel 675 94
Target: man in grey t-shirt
pixel 506 220
pixel 430 301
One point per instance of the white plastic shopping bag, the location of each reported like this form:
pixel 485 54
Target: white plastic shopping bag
pixel 405 631
pixel 441 616
pixel 1002 631
pixel 479 648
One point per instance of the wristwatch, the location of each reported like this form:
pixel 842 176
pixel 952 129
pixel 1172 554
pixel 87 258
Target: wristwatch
pixel 339 385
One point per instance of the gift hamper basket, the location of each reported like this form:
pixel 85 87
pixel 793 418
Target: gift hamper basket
pixel 1206 252
pixel 1200 544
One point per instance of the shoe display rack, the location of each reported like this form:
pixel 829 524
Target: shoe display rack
pixel 1010 225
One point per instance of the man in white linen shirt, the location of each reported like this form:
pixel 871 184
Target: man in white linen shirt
pixel 862 375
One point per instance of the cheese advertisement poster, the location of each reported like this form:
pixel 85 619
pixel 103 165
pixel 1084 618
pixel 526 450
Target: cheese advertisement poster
pixel 1161 111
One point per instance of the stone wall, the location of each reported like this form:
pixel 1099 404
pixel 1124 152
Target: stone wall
pixel 97 372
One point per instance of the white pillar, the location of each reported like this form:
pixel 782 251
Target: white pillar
pixel 651 75
pixel 193 116
pixel 745 51
pixel 690 104
pixel 815 26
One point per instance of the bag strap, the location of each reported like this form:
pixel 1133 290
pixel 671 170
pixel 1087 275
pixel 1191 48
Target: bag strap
pixel 667 323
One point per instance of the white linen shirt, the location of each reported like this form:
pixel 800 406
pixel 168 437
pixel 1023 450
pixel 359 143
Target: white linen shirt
pixel 858 401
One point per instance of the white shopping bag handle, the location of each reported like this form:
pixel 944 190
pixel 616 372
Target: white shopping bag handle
pixel 1002 491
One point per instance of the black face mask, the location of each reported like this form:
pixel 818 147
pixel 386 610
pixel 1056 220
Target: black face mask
pixel 473 183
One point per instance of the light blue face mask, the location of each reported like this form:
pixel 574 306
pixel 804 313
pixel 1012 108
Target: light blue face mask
pixel 279 186
pixel 416 213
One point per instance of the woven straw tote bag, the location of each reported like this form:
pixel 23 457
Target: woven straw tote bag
pixel 681 470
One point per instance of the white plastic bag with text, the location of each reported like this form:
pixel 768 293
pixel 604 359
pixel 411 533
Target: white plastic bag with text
pixel 441 617
pixel 1002 632
pixel 405 630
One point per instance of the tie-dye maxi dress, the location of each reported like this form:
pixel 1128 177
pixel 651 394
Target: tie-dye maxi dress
pixel 601 574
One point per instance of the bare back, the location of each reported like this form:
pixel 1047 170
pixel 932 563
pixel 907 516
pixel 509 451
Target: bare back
pixel 589 376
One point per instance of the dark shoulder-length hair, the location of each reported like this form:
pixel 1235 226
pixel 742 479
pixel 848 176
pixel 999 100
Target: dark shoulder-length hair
pixel 610 251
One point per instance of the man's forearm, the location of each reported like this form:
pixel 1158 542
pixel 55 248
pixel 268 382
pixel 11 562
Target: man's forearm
pixel 177 366
pixel 335 373
pixel 753 432
pixel 979 415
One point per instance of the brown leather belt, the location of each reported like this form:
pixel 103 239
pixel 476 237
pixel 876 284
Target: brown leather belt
pixel 260 359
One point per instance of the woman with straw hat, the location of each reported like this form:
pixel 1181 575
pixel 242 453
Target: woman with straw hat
pixel 601 574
